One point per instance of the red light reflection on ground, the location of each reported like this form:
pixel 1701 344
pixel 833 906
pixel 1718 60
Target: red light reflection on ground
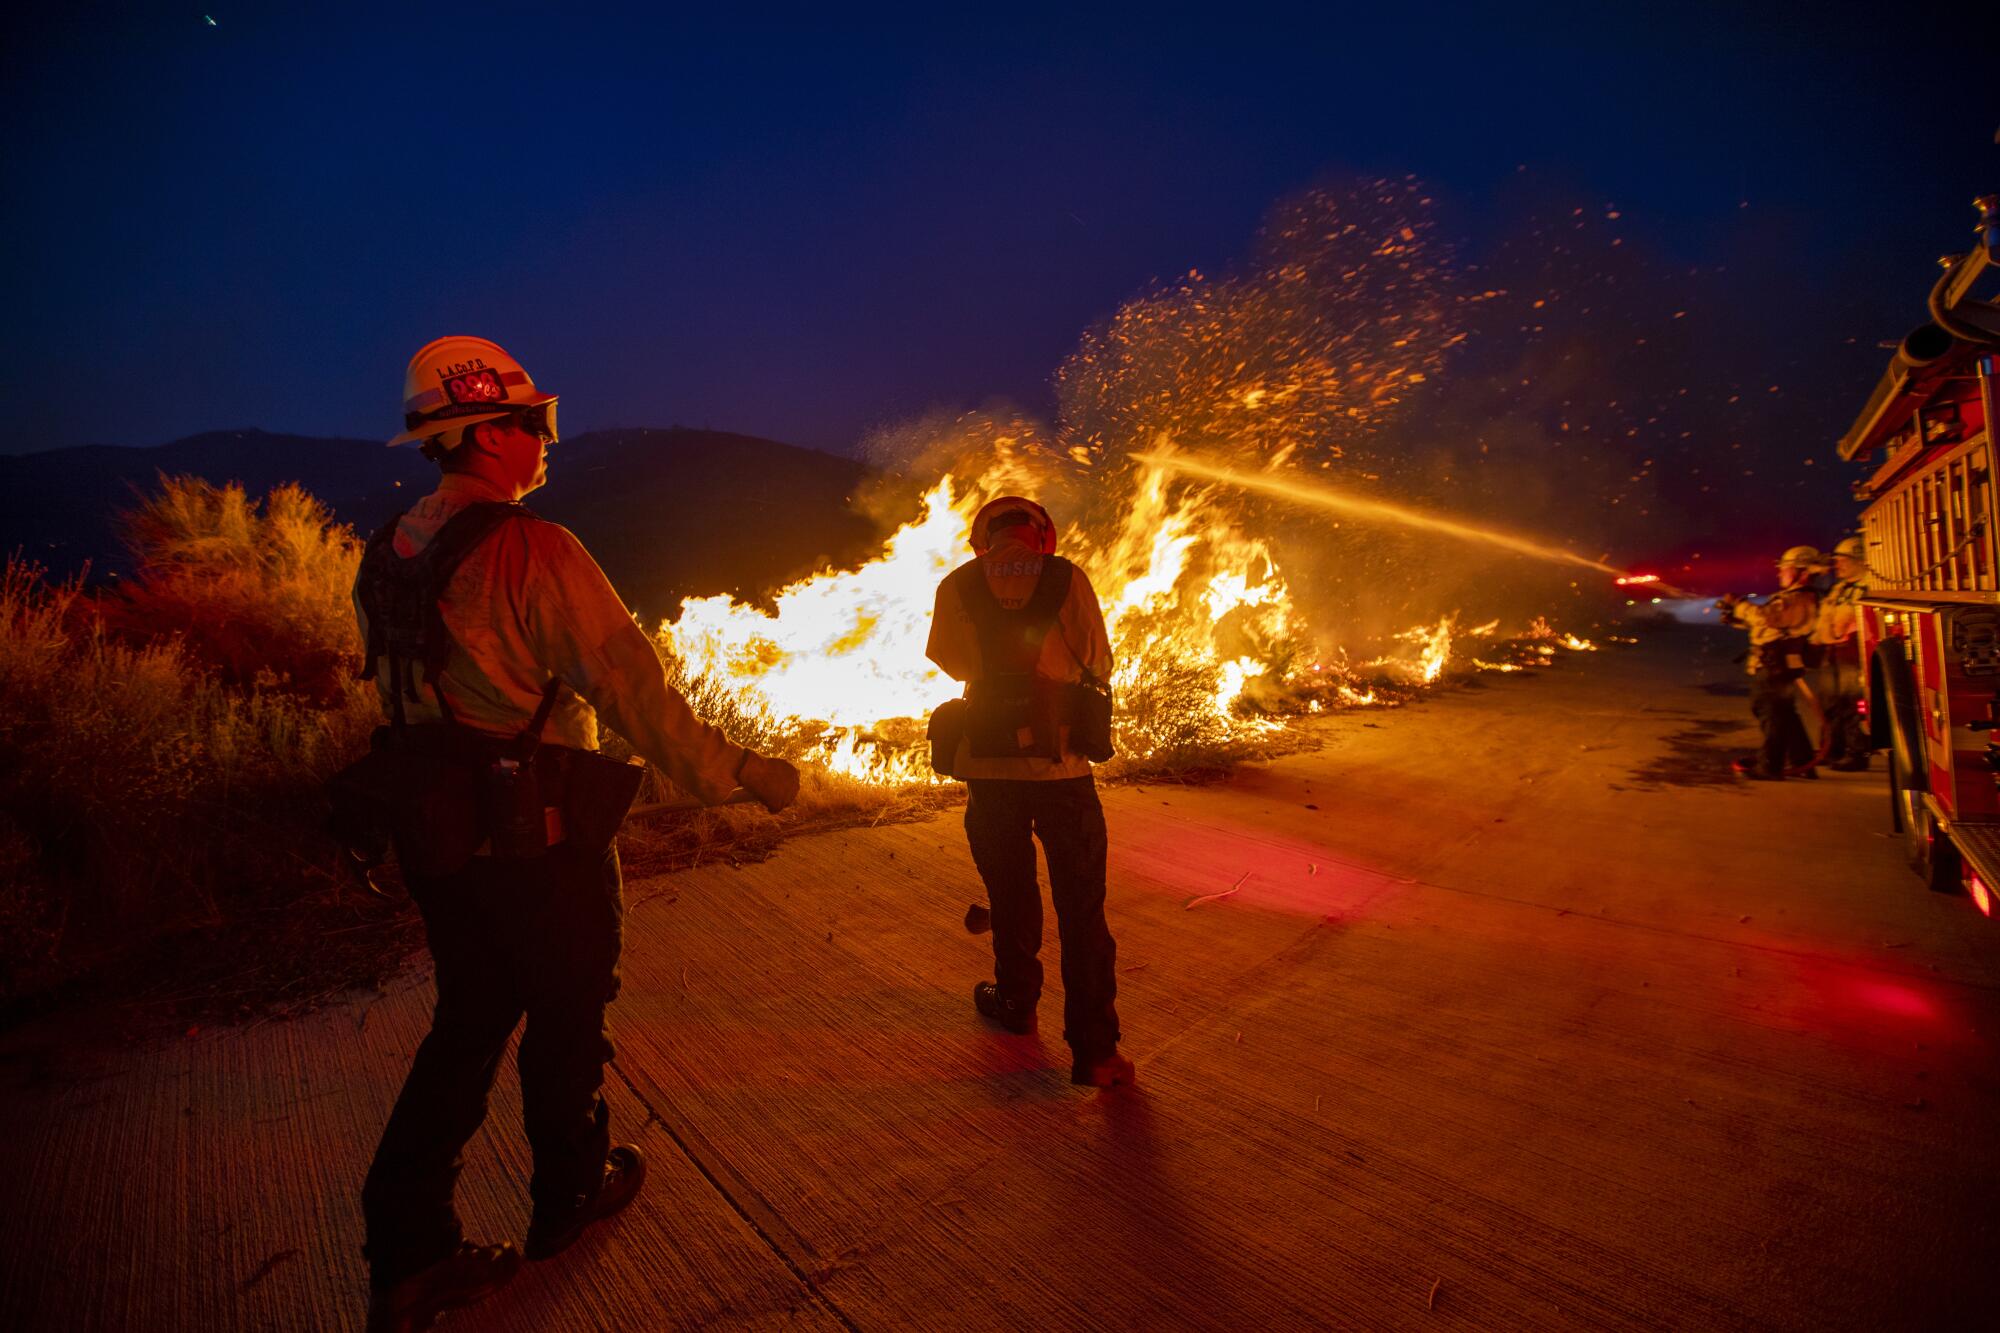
pixel 1848 996
pixel 1212 870
pixel 1891 997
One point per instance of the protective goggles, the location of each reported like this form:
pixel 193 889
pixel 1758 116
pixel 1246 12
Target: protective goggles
pixel 539 421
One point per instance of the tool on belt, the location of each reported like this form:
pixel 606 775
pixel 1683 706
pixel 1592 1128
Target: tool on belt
pixel 1010 710
pixel 441 793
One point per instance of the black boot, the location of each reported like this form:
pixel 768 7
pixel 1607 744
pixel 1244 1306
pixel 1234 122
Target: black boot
pixel 549 1233
pixel 473 1273
pixel 1016 1017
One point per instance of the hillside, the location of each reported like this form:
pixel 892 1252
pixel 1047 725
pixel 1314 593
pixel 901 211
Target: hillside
pixel 669 513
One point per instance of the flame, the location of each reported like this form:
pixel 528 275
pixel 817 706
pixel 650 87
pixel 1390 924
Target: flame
pixel 1539 628
pixel 1433 648
pixel 842 651
pixel 1300 358
pixel 1198 617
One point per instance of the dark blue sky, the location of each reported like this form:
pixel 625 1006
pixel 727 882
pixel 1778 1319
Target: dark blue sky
pixel 803 230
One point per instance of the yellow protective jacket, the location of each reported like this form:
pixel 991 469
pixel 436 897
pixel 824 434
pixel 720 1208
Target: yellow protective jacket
pixel 1075 641
pixel 529 603
pixel 1786 615
pixel 1839 612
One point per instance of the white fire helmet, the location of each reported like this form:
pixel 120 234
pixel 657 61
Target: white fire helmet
pixel 459 381
pixel 1849 548
pixel 1804 557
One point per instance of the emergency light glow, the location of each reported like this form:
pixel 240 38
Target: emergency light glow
pixel 1627 580
pixel 1976 886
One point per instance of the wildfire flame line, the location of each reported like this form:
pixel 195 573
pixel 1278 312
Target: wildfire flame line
pixel 1308 349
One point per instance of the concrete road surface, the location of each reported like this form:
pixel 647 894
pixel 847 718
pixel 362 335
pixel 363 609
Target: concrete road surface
pixel 1521 1016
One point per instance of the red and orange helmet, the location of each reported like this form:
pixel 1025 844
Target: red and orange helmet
pixel 996 516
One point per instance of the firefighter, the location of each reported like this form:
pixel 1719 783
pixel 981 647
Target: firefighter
pixel 1022 627
pixel 1840 680
pixel 1780 652
pixel 536 642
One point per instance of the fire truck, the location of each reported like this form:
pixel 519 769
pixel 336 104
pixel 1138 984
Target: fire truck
pixel 1930 624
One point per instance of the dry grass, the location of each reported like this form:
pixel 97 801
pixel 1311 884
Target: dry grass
pixel 162 748
pixel 654 844
pixel 258 593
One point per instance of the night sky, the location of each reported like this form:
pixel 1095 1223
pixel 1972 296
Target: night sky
pixel 810 230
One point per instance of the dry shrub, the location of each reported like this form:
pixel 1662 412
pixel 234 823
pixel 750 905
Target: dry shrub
pixel 162 748
pixel 653 843
pixel 715 703
pixel 256 593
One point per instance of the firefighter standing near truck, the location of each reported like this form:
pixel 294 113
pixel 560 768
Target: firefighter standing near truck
pixel 1022 627
pixel 1839 643
pixel 525 644
pixel 1781 651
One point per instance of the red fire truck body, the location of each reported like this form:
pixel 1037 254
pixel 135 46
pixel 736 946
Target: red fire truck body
pixel 1930 625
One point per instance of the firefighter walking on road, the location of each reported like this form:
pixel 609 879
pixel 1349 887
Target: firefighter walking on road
pixel 1022 627
pixel 1781 630
pixel 1841 685
pixel 498 643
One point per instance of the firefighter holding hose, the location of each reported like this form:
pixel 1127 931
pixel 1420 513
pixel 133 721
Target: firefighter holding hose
pixel 1781 651
pixel 498 644
pixel 1841 684
pixel 1022 627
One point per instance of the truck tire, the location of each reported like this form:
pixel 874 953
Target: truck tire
pixel 1893 718
pixel 1927 849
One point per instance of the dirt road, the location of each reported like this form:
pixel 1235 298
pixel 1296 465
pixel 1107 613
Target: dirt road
pixel 1522 1017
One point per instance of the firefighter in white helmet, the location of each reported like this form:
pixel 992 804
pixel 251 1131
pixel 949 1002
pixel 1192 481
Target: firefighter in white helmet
pixel 1780 653
pixel 1022 627
pixel 1841 684
pixel 498 644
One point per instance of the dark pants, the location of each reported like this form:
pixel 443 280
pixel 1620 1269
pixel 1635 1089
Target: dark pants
pixel 508 938
pixel 1774 699
pixel 1002 820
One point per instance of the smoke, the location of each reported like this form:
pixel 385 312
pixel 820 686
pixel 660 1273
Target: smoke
pixel 994 450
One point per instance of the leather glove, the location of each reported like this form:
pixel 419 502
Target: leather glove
pixel 772 781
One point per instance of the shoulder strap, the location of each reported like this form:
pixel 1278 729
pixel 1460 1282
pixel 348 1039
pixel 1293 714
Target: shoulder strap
pixel 380 545
pixel 1051 590
pixel 461 533
pixel 457 539
pixel 1011 640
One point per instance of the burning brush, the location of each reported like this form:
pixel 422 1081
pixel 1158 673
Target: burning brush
pixel 1341 315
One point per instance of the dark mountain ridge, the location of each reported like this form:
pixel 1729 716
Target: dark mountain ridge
pixel 669 513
